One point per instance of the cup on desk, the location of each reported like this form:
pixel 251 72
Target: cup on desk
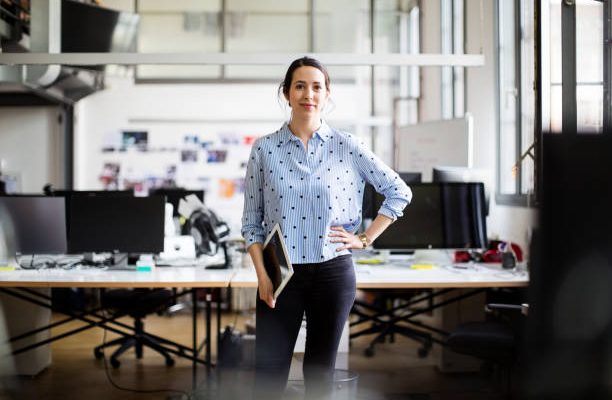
pixel 508 260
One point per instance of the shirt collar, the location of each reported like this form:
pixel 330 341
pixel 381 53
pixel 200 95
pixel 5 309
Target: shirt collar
pixel 324 133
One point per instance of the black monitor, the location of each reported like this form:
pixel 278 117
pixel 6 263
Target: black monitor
pixel 116 224
pixel 369 194
pixel 465 174
pixel 174 195
pixel 91 193
pixel 37 224
pixel 440 216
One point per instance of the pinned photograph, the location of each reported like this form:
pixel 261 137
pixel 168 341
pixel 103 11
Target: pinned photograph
pixel 135 139
pixel 216 156
pixel 189 156
pixel 110 175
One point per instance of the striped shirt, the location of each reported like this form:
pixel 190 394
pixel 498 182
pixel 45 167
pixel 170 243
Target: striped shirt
pixel 308 190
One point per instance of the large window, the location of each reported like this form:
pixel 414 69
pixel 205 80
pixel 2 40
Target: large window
pixel 515 67
pixel 290 26
pixel 453 78
pixel 572 63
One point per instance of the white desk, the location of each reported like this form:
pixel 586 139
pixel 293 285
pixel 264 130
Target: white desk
pixel 183 277
pixel 17 283
pixel 400 275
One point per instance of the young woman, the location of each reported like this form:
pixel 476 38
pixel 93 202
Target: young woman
pixel 309 178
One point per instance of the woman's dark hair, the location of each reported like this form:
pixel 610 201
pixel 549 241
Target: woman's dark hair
pixel 301 62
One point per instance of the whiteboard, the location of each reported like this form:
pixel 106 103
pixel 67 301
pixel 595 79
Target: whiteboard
pixel 422 146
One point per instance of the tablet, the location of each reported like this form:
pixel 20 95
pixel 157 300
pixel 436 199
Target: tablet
pixel 276 260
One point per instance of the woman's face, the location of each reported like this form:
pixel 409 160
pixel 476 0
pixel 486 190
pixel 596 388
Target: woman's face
pixel 308 93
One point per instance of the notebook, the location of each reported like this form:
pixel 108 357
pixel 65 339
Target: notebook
pixel 276 260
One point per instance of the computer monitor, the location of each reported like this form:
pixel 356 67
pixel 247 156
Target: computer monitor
pixel 369 194
pixel 37 224
pixel 174 195
pixel 116 224
pixel 90 193
pixel 440 216
pixel 465 174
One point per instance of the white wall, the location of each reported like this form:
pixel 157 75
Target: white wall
pixel 31 143
pixel 205 109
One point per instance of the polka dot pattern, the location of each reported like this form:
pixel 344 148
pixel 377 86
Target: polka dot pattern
pixel 308 189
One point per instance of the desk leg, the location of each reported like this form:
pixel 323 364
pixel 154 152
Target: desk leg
pixel 218 323
pixel 208 330
pixel 194 318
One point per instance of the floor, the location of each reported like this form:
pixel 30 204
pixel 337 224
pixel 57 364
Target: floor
pixel 395 372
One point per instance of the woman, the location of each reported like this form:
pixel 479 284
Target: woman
pixel 309 178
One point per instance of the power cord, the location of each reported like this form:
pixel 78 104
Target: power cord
pixel 184 395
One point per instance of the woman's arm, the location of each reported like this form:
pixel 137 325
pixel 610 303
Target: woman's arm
pixel 351 241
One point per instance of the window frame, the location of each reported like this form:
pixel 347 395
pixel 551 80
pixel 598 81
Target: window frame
pixel 516 198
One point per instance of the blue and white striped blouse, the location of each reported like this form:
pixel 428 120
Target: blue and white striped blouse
pixel 308 190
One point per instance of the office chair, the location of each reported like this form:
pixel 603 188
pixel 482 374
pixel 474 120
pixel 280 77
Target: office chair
pixel 137 304
pixel 496 340
pixel 387 321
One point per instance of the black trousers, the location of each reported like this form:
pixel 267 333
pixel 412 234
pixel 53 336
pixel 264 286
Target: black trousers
pixel 325 292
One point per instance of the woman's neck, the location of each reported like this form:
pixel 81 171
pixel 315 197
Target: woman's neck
pixel 304 128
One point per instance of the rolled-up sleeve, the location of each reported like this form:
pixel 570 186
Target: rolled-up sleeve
pixel 385 181
pixel 252 216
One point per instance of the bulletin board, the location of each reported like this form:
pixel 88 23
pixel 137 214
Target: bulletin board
pixel 208 156
pixel 422 146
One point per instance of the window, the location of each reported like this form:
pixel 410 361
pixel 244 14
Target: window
pixel 515 102
pixel 452 79
pixel 575 72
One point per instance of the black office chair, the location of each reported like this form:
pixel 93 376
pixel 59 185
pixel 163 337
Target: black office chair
pixel 138 304
pixel 386 320
pixel 496 340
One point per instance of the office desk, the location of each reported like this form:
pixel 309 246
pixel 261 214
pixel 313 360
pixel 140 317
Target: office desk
pixel 399 275
pixel 446 281
pixel 18 282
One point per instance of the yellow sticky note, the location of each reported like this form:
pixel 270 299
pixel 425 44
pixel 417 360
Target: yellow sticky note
pixel 422 266
pixel 6 268
pixel 370 261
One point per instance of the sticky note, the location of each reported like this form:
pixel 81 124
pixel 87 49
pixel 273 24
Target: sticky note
pixel 6 268
pixel 370 261
pixel 144 268
pixel 422 266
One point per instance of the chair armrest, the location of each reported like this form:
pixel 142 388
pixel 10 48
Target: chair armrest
pixel 523 308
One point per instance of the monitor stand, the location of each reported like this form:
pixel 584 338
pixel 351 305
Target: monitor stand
pixel 227 262
pixel 115 261
pixel 432 256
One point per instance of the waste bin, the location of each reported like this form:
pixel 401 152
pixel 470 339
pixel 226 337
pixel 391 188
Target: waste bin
pixel 345 386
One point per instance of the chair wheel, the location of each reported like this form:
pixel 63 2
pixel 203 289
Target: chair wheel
pixel 422 352
pixel 169 362
pixel 98 353
pixel 369 352
pixel 115 363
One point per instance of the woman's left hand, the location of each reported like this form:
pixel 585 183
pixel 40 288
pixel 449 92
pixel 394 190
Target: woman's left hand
pixel 340 235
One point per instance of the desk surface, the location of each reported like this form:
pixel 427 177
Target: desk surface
pixel 403 276
pixel 396 275
pixel 192 277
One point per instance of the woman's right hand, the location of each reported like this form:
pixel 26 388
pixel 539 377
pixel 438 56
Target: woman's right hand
pixel 266 292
